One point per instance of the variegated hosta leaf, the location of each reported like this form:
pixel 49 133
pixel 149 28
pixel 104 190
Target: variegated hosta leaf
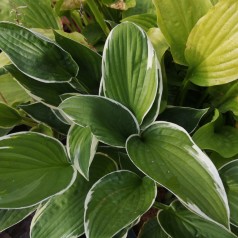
pixel 81 146
pixel 129 69
pixel 179 222
pixel 166 153
pixel 33 167
pixel 229 176
pixel 211 50
pixel 109 121
pixel 36 56
pixel 176 19
pixel 115 201
pixel 63 215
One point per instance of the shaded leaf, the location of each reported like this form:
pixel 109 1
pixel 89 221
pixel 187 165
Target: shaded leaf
pixel 81 146
pixel 129 69
pixel 166 153
pixel 186 117
pixel 56 65
pixel 179 222
pixel 229 176
pixel 132 195
pixel 214 136
pixel 63 215
pixel 109 121
pixel 9 117
pixel 176 19
pixel 33 167
pixel 211 47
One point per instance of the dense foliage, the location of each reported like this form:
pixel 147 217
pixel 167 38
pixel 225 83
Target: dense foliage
pixel 119 118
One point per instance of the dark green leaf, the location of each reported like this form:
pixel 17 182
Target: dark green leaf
pixel 33 167
pixel 166 153
pixel 36 55
pixel 115 201
pixel 109 121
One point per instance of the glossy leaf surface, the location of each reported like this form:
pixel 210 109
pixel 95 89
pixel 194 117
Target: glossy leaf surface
pixel 166 153
pixel 33 167
pixel 179 222
pixel 109 121
pixel 66 212
pixel 56 65
pixel 176 19
pixel 229 176
pixel 214 136
pixel 132 195
pixel 9 117
pixel 129 69
pixel 81 146
pixel 211 50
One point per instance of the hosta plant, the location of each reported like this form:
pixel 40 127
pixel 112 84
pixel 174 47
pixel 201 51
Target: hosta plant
pixel 119 118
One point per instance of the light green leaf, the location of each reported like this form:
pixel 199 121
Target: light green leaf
pixel 109 121
pixel 152 229
pixel 33 167
pixel 11 92
pixel 4 60
pixel 129 69
pixel 9 117
pixel 42 113
pixel 119 4
pixel 158 41
pixel 166 153
pixel 179 222
pixel 145 21
pixel 214 1
pixel 40 91
pixel 186 117
pixel 229 176
pixel 115 201
pixel 40 15
pixel 5 10
pixel 214 136
pixel 81 146
pixel 11 217
pixel 39 57
pixel 63 215
pixel 211 47
pixel 89 61
pixel 176 19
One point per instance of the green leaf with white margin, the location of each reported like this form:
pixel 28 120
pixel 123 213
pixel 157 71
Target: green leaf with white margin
pixel 129 69
pixel 9 117
pixel 110 122
pixel 186 117
pixel 152 229
pixel 229 176
pixel 28 50
pixel 211 47
pixel 81 147
pixel 63 215
pixel 40 15
pixel 11 92
pixel 214 136
pixel 145 21
pixel 33 167
pixel 179 222
pixel 11 217
pixel 115 201
pixel 166 153
pixel 176 19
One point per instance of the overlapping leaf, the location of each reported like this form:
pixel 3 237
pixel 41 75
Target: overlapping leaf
pixel 33 167
pixel 166 153
pixel 115 201
pixel 211 50
pixel 39 58
pixel 129 69
pixel 109 121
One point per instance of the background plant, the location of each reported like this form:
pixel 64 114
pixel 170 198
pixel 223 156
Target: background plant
pixel 119 118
